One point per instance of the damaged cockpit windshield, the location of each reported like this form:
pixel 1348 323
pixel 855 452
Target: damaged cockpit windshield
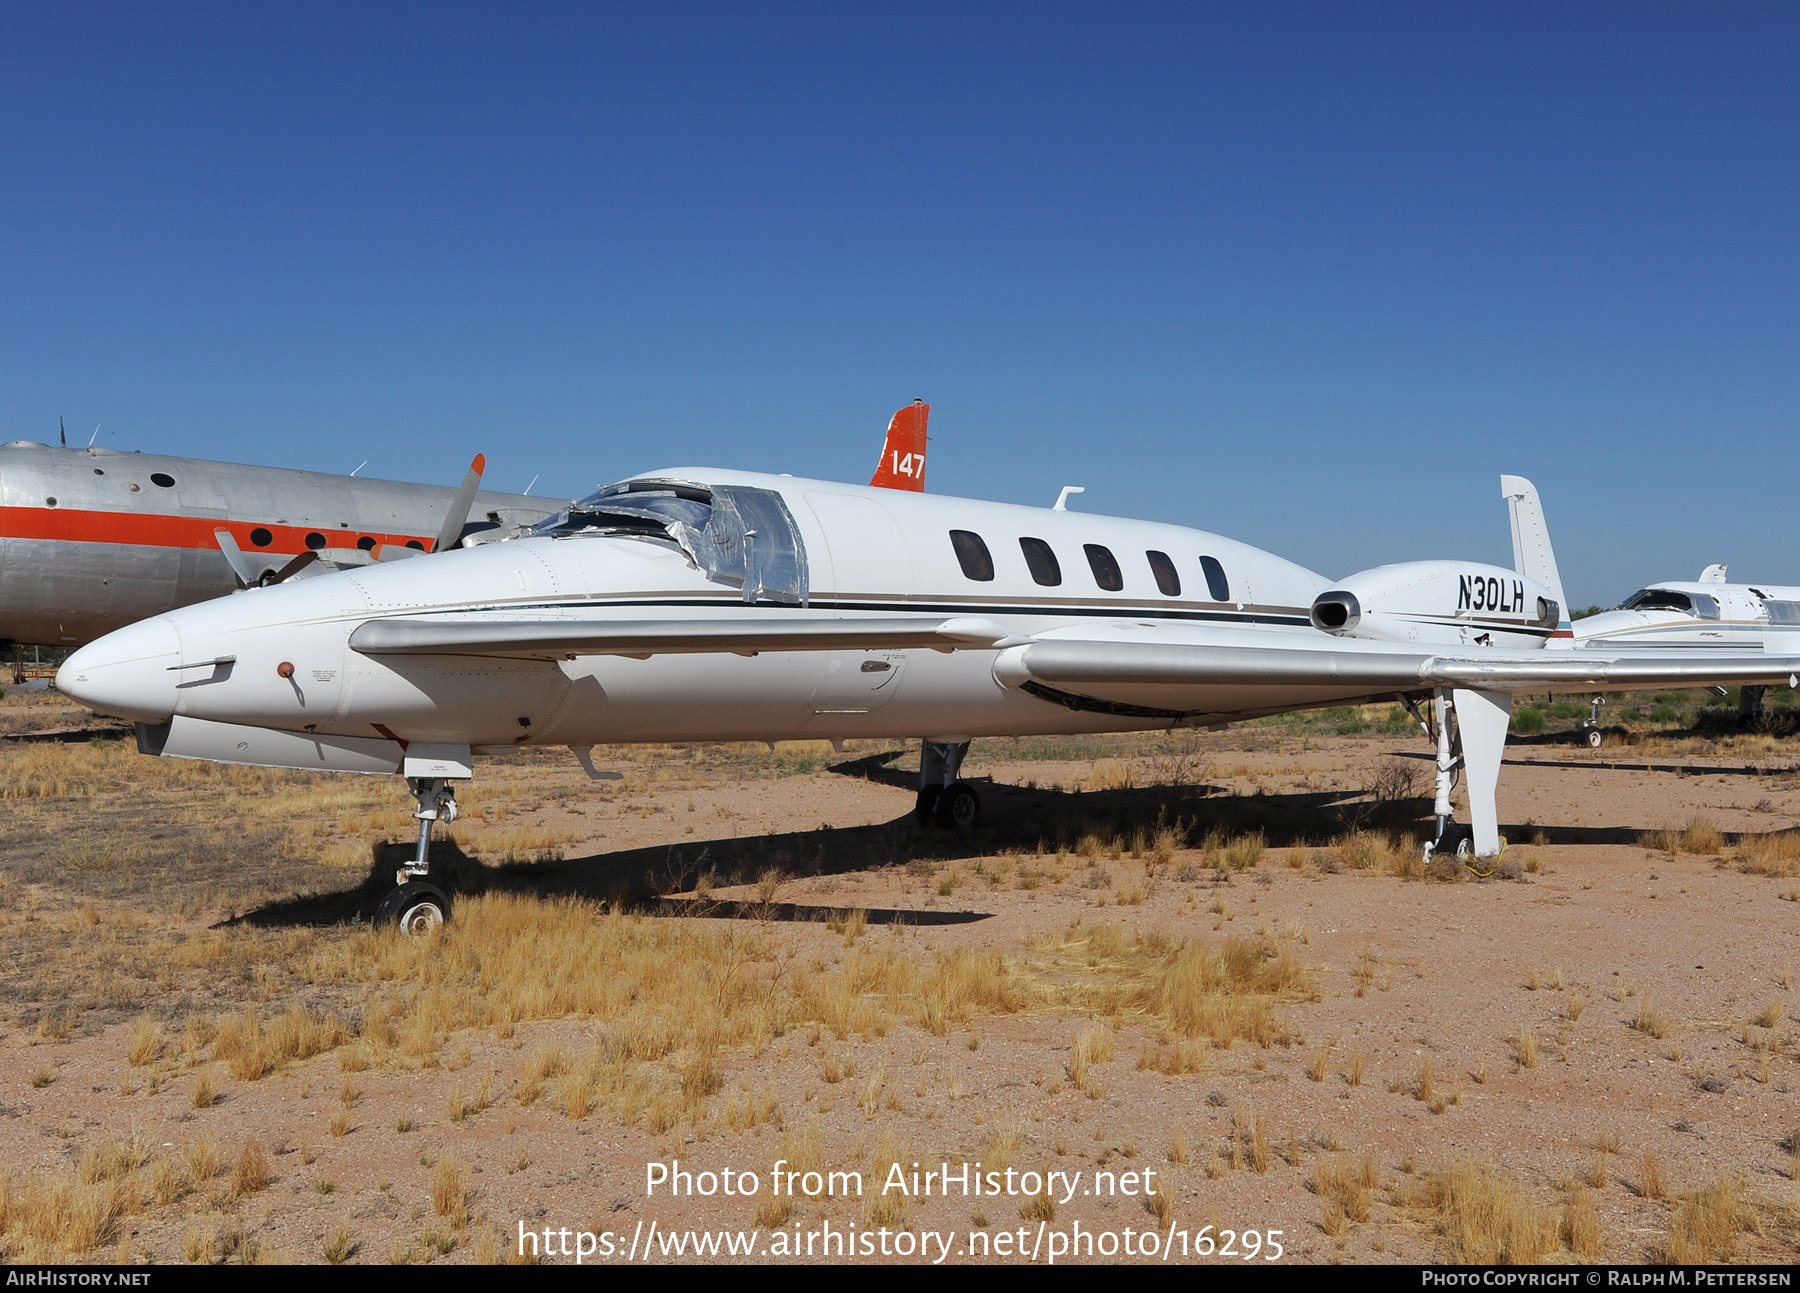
pixel 736 535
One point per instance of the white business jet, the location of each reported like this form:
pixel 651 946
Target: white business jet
pixel 1707 615
pixel 698 604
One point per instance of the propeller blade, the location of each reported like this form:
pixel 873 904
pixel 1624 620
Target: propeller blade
pixel 451 534
pixel 235 555
pixel 295 566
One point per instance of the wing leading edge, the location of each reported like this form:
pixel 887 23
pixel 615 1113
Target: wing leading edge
pixel 563 639
pixel 1103 664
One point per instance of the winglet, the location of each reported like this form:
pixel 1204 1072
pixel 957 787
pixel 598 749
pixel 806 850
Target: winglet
pixel 1532 555
pixel 902 464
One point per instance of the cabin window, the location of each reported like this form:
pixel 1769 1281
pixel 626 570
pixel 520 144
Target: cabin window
pixel 366 543
pixel 163 479
pixel 315 540
pixel 733 534
pixel 415 545
pixel 1105 567
pixel 1784 612
pixel 1706 605
pixel 973 555
pixel 1216 583
pixel 1658 599
pixel 1041 561
pixel 50 501
pixel 261 537
pixel 1164 570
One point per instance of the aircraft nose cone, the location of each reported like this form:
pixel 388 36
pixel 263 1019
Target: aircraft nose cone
pixel 127 674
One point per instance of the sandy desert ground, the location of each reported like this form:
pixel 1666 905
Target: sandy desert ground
pixel 1201 979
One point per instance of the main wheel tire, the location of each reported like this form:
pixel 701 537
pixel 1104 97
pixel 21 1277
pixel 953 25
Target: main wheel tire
pixel 925 809
pixel 1595 737
pixel 415 907
pixel 959 807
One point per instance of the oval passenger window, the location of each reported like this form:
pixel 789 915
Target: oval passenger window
pixel 1216 583
pixel 1105 567
pixel 972 555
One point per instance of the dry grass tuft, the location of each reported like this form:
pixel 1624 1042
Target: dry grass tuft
pixel 1708 1223
pixel 1698 837
pixel 1161 1203
pixel 450 1192
pixel 1581 1223
pixel 1483 1219
pixel 1772 855
pixel 65 1214
pixel 145 1044
pixel 1347 1188
pixel 251 1174
pixel 339 1246
pixel 1650 1181
pixel 1091 1046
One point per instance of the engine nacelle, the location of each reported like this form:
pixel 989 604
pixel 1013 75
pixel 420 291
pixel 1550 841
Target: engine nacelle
pixel 1456 603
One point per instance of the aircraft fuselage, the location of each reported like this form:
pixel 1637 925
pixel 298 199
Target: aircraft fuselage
pixel 94 539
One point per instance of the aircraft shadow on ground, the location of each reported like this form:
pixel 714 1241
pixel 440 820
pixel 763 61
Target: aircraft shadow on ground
pixel 1609 763
pixel 1031 823
pixel 81 736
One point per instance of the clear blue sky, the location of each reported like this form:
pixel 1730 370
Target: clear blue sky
pixel 1312 276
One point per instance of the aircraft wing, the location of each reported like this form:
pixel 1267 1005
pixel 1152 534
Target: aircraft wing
pixel 1234 677
pixel 557 639
pixel 1385 670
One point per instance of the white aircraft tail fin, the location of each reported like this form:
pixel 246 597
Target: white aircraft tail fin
pixel 1532 554
pixel 902 464
pixel 1713 574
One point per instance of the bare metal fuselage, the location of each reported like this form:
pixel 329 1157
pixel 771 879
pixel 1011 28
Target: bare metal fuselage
pixel 93 539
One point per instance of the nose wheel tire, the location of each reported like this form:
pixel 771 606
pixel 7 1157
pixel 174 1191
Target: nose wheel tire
pixel 959 807
pixel 416 908
pixel 1594 738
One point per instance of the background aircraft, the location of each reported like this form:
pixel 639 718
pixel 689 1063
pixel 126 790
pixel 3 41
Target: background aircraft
pixel 1705 615
pixel 704 605
pixel 94 539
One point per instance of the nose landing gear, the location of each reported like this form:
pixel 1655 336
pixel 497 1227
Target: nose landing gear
pixel 415 905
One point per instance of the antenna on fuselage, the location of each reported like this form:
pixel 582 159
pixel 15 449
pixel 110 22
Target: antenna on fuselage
pixel 360 466
pixel 1062 499
pixel 61 431
pixel 534 480
pixel 95 436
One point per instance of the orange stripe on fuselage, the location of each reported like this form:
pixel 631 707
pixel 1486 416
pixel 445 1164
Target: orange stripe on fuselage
pixel 160 530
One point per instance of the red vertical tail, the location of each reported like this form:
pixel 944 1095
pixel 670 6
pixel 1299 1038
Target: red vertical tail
pixel 902 464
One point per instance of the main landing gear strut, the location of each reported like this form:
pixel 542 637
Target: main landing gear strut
pixel 1473 749
pixel 416 906
pixel 944 800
